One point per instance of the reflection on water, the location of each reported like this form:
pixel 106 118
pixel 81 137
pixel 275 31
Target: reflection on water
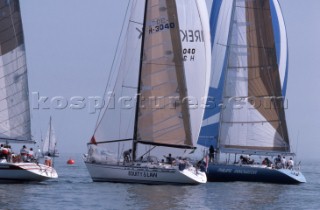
pixel 11 193
pixel 75 190
pixel 165 196
pixel 242 195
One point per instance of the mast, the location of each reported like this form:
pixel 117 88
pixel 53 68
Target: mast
pixel 49 145
pixel 135 133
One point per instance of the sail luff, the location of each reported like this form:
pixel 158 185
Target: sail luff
pixel 14 102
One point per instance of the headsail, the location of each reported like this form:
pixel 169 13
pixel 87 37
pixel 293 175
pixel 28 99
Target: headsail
pixel 253 117
pixel 14 101
pixel 220 22
pixel 117 119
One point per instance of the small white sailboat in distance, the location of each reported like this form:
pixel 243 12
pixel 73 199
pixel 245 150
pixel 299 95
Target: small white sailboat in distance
pixel 169 60
pixel 15 124
pixel 49 144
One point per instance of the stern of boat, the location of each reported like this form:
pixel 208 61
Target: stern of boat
pixel 295 175
pixel 195 174
pixel 25 172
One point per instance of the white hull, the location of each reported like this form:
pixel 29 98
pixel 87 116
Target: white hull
pixel 145 173
pixel 26 172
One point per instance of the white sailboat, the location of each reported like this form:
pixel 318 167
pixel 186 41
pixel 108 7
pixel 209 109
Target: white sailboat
pixel 167 62
pixel 15 125
pixel 50 142
pixel 249 76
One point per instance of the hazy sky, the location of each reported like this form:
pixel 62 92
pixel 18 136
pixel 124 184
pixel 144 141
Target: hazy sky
pixel 70 46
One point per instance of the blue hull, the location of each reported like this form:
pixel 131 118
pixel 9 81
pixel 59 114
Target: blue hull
pixel 251 173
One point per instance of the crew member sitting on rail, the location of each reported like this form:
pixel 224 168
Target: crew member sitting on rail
pixel 24 153
pixel 30 155
pixel 290 163
pixel 267 162
pixel 4 152
pixel 47 160
pixel 277 162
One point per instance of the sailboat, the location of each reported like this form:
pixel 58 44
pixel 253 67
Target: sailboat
pixel 146 116
pixel 50 142
pixel 15 125
pixel 249 78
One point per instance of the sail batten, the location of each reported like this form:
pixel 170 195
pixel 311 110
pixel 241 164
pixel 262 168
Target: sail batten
pixel 251 122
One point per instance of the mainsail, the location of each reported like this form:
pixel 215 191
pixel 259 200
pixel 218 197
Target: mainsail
pixel 163 76
pixel 14 102
pixel 249 76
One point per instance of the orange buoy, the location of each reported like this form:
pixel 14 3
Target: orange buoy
pixel 70 162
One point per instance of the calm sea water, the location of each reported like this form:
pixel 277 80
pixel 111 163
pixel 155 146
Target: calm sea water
pixel 75 190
